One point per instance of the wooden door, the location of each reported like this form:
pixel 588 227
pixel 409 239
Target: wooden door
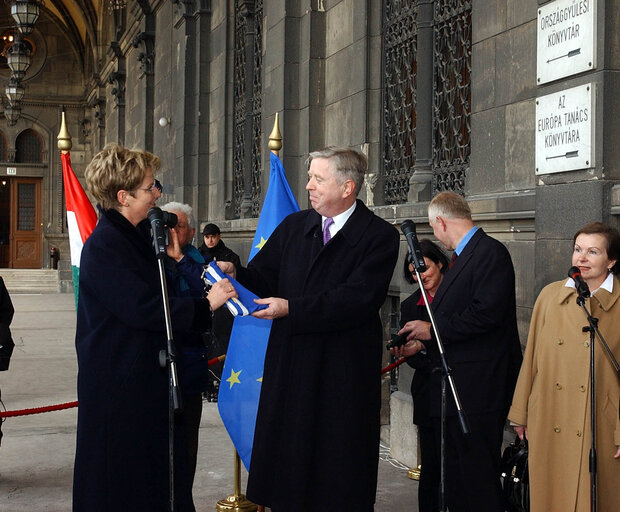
pixel 25 237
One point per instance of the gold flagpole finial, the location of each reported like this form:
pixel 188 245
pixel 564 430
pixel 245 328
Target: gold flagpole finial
pixel 275 137
pixel 64 137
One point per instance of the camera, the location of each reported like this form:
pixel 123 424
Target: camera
pixel 396 341
pixel 169 219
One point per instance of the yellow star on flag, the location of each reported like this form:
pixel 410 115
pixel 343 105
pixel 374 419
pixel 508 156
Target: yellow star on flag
pixel 261 243
pixel 234 378
pixel 259 380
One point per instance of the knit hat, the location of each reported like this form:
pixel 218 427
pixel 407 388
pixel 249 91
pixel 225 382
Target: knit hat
pixel 211 229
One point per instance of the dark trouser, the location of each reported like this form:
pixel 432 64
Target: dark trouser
pixel 428 489
pixel 472 463
pixel 192 409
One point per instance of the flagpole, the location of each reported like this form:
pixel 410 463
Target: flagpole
pixel 64 146
pixel 275 145
pixel 64 137
pixel 237 502
pixel 275 137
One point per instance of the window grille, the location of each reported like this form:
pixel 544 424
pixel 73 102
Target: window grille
pixel 452 94
pixel 26 206
pixel 257 132
pixel 399 105
pixel 247 130
pixel 28 148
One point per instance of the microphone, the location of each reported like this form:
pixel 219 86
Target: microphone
pixel 156 218
pixel 580 284
pixel 408 229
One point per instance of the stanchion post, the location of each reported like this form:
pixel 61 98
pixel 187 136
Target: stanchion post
pixel 415 473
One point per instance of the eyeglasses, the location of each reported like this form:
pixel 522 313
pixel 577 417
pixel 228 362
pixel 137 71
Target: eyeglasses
pixel 150 189
pixel 155 186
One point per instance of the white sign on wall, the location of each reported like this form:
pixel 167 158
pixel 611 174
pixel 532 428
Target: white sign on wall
pixel 566 36
pixel 565 130
pixel 11 171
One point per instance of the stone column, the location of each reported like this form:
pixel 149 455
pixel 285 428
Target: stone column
pixel 420 181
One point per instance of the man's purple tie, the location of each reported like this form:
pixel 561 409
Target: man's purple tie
pixel 326 234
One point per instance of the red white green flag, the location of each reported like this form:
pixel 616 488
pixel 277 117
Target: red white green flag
pixel 81 217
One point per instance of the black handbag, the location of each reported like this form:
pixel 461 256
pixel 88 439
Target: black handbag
pixel 515 476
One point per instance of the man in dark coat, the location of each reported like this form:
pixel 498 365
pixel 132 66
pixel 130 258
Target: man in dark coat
pixel 475 312
pixel 316 443
pixel 213 248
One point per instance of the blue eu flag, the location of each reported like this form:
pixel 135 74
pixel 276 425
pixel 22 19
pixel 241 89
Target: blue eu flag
pixel 243 369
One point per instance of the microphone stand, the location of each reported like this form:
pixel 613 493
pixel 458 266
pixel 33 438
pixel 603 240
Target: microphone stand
pixel 167 357
pixel 446 377
pixel 592 328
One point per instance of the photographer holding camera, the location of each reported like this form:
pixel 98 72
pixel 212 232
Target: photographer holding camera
pixel 184 268
pixel 121 460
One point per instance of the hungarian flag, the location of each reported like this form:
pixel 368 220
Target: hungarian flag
pixel 81 217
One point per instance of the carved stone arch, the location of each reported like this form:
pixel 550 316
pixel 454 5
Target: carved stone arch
pixel 30 147
pixel 27 122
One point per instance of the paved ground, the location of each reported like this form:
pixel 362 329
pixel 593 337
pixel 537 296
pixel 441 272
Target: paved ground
pixel 36 457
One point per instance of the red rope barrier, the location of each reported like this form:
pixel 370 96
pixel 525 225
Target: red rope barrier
pixel 393 365
pixel 38 410
pixel 217 359
pixel 69 405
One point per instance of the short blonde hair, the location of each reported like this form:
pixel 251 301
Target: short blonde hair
pixel 117 168
pixel 448 205
pixel 345 163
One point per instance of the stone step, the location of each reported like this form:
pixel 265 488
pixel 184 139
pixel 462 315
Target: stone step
pixel 28 280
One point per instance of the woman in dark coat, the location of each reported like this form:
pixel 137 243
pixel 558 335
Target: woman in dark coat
pixel 413 308
pixel 121 461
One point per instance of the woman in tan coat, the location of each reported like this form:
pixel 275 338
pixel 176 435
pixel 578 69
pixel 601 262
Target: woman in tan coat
pixel 551 405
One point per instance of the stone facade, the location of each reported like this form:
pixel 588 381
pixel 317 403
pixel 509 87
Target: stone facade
pixel 322 71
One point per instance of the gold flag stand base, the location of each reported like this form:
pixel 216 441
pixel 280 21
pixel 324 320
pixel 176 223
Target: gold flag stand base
pixel 414 473
pixel 235 504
